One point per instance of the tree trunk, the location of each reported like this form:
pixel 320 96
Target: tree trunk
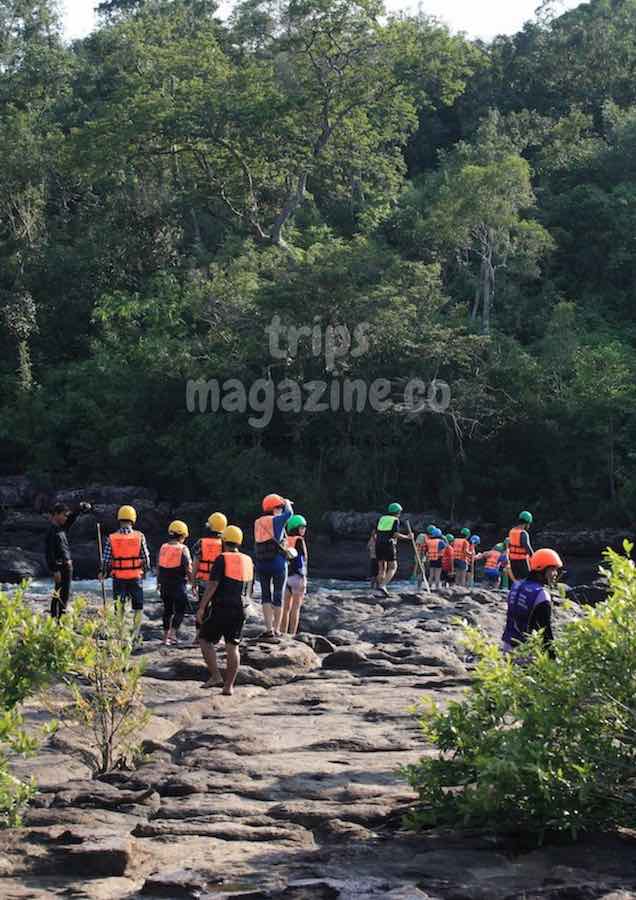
pixel 611 463
pixel 488 287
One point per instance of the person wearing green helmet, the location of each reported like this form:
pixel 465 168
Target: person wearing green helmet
pixel 462 556
pixel 448 561
pixel 387 536
pixel 496 561
pixel 519 546
pixel 297 575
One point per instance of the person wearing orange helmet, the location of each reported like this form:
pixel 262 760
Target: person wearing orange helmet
pixel 530 602
pixel 270 554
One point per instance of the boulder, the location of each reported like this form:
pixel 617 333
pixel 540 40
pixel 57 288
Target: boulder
pixel 108 856
pixel 16 490
pixel 584 542
pixel 17 564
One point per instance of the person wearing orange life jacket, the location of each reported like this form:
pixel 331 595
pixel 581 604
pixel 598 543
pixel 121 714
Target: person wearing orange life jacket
pixel 296 576
pixel 127 560
pixel 206 550
pixel 174 569
pixel 519 546
pixel 495 561
pixel 271 559
pixel 435 546
pixel 448 561
pixel 462 554
pixel 221 612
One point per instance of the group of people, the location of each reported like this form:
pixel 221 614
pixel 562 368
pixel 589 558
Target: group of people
pixel 217 574
pixel 445 558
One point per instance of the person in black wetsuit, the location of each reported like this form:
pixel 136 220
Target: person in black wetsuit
pixel 58 553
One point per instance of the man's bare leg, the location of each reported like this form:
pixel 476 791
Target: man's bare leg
pixel 209 655
pixel 285 619
pixel 268 616
pixel 391 572
pixel 233 658
pixel 294 616
pixel 277 612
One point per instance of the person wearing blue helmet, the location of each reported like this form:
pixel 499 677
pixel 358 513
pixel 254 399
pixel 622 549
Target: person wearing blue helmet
pixel 435 546
pixel 474 543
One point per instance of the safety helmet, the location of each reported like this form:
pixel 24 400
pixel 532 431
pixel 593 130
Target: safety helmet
pixel 500 547
pixel 232 534
pixel 179 528
pixel 525 517
pixel 475 539
pixel 296 521
pixel 272 501
pixel 450 538
pixel 465 532
pixel 430 530
pixel 437 533
pixel 395 509
pixel 544 559
pixel 127 514
pixel 217 522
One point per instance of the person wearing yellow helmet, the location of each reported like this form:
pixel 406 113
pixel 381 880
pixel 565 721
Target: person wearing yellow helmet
pixel 221 612
pixel 206 550
pixel 174 568
pixel 127 560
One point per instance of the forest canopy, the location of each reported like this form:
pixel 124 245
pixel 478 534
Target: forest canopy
pixel 176 181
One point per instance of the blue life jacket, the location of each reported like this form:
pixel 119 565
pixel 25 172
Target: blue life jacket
pixel 523 599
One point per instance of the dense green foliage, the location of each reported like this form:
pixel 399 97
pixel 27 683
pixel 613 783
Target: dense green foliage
pixel 549 746
pixel 34 649
pixel 174 181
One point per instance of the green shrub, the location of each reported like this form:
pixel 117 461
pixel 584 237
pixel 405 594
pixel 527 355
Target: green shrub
pixel 548 746
pixel 33 650
pixel 108 701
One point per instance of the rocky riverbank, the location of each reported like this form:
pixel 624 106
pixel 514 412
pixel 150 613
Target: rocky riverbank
pixel 290 788
pixel 338 548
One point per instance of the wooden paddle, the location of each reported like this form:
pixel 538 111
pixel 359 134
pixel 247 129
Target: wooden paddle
pixel 417 557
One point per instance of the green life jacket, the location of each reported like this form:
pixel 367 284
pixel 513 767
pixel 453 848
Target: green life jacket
pixel 387 523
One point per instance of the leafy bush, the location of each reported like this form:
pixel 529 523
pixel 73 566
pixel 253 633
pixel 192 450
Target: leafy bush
pixel 547 746
pixel 33 650
pixel 108 701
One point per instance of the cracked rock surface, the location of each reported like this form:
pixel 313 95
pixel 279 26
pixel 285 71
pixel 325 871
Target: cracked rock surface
pixel 289 788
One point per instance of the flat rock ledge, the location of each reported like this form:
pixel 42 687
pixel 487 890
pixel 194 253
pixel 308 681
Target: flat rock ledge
pixel 290 788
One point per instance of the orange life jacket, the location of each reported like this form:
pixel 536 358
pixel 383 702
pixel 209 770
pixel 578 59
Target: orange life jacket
pixel 127 561
pixel 461 549
pixel 211 548
pixel 447 558
pixel 492 559
pixel 266 547
pixel 432 549
pixel 516 550
pixel 170 556
pixel 238 567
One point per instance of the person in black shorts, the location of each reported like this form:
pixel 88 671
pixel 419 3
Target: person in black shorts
pixel 221 613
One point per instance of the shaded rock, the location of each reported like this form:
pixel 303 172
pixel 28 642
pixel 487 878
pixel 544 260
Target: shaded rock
pixel 287 654
pixel 345 659
pixel 104 857
pixel 180 883
pixel 16 490
pixel 340 637
pixel 317 642
pixel 17 564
